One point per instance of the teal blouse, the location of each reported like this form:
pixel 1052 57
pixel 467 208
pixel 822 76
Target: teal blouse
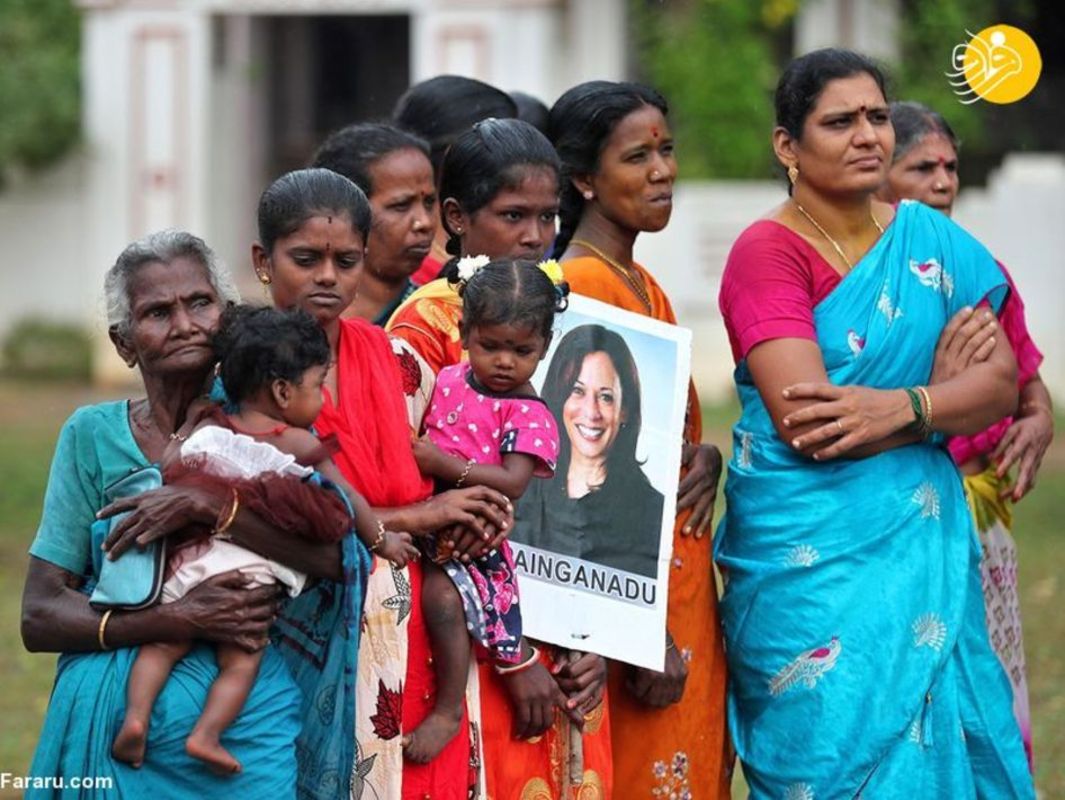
pixel 96 447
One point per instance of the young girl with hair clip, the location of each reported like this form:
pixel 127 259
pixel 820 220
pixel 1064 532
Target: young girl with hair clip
pixel 499 189
pixel 272 365
pixel 486 426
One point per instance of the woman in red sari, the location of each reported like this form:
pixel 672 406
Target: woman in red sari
pixel 312 232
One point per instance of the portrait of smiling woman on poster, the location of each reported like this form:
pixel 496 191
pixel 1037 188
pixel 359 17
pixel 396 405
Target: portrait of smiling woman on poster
pixel 600 506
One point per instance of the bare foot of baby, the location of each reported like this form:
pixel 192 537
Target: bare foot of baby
pixel 209 749
pixel 431 736
pixel 131 742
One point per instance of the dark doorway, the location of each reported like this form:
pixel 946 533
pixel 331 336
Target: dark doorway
pixel 331 71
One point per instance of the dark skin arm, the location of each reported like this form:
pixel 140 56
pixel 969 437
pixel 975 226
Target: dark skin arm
pixel 698 488
pixel 805 407
pixel 660 689
pixel 510 478
pixel 1027 439
pixel 396 547
pixel 536 695
pixel 56 617
pixel 170 509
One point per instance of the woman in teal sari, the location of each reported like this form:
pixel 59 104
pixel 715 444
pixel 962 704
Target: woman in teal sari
pixel 858 656
pixel 294 734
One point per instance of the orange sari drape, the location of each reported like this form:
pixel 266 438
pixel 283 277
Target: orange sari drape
pixel 428 320
pixel 663 752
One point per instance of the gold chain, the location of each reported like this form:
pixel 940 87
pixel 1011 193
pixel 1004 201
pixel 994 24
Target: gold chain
pixel 627 274
pixel 832 241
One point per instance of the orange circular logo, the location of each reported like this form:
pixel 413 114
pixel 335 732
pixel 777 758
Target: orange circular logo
pixel 1000 64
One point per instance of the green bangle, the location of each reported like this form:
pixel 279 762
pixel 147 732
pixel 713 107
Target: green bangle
pixel 920 421
pixel 915 402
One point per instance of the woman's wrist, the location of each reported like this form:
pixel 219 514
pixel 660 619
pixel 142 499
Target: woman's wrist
pixel 159 623
pixel 207 506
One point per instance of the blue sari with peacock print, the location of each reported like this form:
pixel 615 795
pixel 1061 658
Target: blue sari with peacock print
pixel 859 662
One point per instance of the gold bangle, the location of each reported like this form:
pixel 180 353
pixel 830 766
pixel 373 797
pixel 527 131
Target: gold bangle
pixel 380 537
pixel 103 626
pixel 927 397
pixel 465 473
pixel 221 528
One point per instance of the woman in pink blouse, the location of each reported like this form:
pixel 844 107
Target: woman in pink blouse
pixel 925 168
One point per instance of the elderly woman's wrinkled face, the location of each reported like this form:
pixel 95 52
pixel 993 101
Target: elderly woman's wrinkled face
pixel 928 172
pixel 592 414
pixel 315 267
pixel 174 311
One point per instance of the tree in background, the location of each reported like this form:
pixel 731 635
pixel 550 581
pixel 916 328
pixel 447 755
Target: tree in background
pixel 717 65
pixel 929 30
pixel 39 84
pixel 717 62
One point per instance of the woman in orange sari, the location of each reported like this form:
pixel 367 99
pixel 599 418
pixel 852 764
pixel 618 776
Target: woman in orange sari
pixel 668 729
pixel 500 187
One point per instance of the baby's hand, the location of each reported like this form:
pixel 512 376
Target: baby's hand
pixel 427 455
pixel 398 548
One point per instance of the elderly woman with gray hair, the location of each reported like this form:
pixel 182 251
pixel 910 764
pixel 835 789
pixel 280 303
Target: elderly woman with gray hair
pixel 165 295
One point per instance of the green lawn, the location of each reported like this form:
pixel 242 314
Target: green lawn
pixel 30 418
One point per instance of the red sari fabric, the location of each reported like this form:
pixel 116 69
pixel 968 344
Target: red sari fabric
pixel 370 421
pixel 369 418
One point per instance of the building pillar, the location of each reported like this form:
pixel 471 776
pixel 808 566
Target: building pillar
pixel 145 78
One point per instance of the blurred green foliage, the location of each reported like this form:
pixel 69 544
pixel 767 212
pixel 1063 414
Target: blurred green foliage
pixel 40 349
pixel 715 62
pixel 928 31
pixel 39 82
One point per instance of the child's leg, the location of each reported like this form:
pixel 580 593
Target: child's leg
pixel 150 671
pixel 237 670
pixel 446 621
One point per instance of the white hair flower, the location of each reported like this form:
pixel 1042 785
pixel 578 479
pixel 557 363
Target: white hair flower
pixel 468 266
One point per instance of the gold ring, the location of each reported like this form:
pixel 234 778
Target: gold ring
pixel 840 426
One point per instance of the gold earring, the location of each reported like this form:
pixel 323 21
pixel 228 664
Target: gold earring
pixel 793 174
pixel 264 279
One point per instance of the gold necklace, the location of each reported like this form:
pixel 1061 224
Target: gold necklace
pixel 625 273
pixel 832 241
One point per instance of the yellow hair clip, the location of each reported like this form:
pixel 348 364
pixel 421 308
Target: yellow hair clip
pixel 553 270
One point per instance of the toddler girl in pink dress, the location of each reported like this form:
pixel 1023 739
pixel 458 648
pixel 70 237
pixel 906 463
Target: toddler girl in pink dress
pixel 485 426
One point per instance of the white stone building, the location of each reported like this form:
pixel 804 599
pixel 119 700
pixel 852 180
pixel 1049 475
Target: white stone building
pixel 192 106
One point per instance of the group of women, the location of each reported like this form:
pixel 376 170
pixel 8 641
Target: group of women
pixel 858 657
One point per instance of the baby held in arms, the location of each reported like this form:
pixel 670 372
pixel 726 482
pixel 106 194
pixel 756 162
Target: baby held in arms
pixel 273 365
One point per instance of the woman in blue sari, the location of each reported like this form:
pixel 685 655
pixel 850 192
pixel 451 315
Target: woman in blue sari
pixel 294 734
pixel 858 656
